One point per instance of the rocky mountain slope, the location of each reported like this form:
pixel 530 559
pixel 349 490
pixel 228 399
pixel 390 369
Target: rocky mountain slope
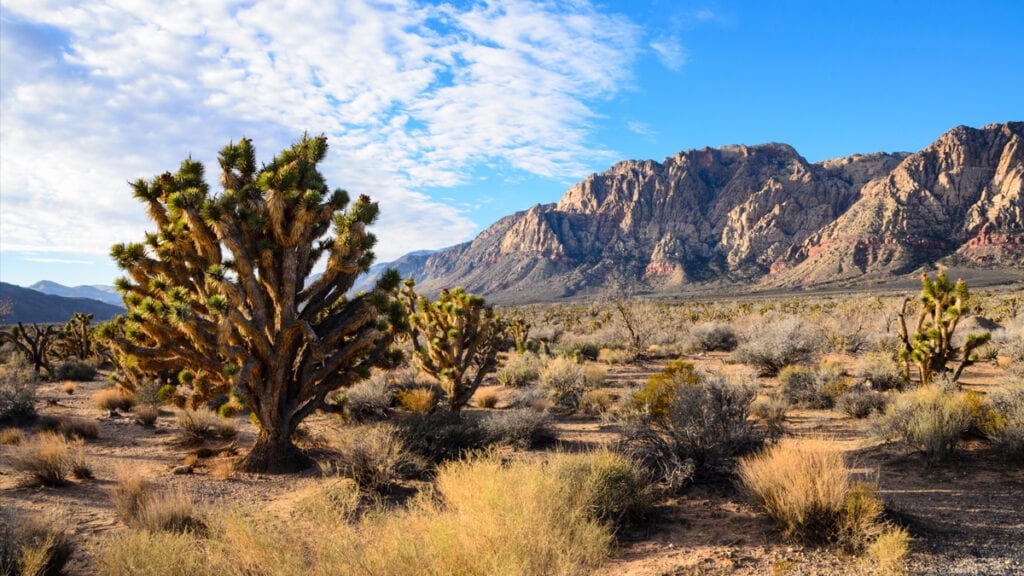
pixel 761 216
pixel 102 293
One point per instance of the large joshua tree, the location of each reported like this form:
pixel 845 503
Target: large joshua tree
pixel 222 291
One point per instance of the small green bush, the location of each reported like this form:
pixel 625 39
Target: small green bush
pixel 881 370
pixel 1006 427
pixel 610 487
pixel 812 387
pixel 930 419
pixel 658 395
pixel 565 382
pixel 519 370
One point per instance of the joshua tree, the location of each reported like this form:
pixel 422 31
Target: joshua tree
pixel 35 342
pixel 76 337
pixel 455 340
pixel 222 291
pixel 931 347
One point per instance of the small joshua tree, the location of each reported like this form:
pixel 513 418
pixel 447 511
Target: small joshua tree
pixel 35 342
pixel 455 339
pixel 76 338
pixel 222 291
pixel 931 347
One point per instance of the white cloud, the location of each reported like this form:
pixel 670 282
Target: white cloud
pixel 411 96
pixel 58 260
pixel 671 53
pixel 641 128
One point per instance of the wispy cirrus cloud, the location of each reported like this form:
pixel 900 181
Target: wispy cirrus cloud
pixel 671 52
pixel 411 95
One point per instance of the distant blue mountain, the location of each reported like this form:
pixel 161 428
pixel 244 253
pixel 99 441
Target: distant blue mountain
pixel 97 292
pixel 19 304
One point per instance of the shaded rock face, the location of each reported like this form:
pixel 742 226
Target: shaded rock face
pixel 754 214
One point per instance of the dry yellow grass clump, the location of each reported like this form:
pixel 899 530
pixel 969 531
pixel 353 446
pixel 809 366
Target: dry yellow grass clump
pixel 526 517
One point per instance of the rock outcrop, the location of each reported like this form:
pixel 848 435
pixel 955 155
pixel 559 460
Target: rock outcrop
pixel 760 215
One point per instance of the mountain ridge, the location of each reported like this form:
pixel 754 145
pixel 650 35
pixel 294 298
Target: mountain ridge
pixel 759 217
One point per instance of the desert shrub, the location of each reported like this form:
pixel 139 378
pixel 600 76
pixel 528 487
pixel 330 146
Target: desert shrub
pixel 202 425
pixel 812 387
pixel 771 412
pixel 777 343
pixel 609 486
pixel 882 371
pixel 930 419
pixel 374 456
pixel 657 396
pixel 596 402
pixel 714 336
pixel 75 370
pixel 146 414
pixel 487 400
pixel 533 397
pixel 614 356
pixel 11 437
pixel 578 350
pixel 113 400
pixel 889 550
pixel 49 459
pixel 523 428
pixel 1006 426
pixel 69 388
pixel 565 383
pixel 166 393
pixel 329 501
pixel 79 428
pixel 36 545
pixel 805 487
pixel 369 400
pixel 705 425
pixel 18 381
pixel 485 517
pixel 861 402
pixel 419 400
pixel 140 505
pixel 442 436
pixel 519 370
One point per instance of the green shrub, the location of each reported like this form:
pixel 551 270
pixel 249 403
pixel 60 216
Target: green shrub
pixel 610 487
pixel 658 395
pixel 812 387
pixel 519 370
pixel 882 371
pixel 930 419
pixel 596 402
pixel 1006 427
pixel 419 400
pixel 705 426
pixel 565 383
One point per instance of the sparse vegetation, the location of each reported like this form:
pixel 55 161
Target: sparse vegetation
pixel 813 387
pixel 777 343
pixel 146 414
pixel 1006 428
pixel 35 545
pixel 48 459
pixel 521 427
pixel 113 400
pixel 375 457
pixel 861 402
pixel 930 419
pixel 139 504
pixel 18 383
pixel 76 370
pixel 519 370
pixel 714 336
pixel 199 426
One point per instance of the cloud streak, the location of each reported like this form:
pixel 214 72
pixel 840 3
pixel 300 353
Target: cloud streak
pixel 412 96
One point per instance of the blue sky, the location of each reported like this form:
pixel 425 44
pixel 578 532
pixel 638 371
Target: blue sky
pixel 455 114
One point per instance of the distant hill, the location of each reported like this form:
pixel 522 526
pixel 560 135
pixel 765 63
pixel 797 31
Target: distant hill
pixel 407 265
pixel 27 305
pixel 102 293
pixel 754 218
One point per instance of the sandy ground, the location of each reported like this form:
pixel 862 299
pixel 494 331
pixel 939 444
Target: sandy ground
pixel 966 515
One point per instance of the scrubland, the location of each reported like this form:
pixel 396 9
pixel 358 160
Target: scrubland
pixel 627 437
